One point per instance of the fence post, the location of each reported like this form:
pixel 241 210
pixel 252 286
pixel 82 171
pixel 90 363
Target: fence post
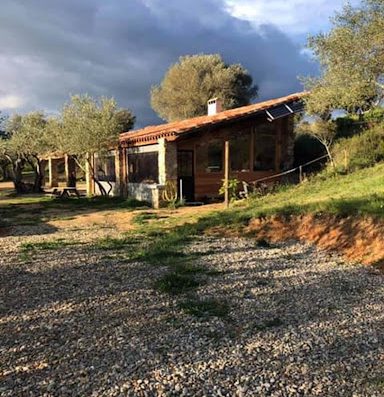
pixel 300 173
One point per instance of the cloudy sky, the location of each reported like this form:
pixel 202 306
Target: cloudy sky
pixel 50 49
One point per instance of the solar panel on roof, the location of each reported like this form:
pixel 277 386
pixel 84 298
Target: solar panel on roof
pixel 278 112
pixel 284 110
pixel 297 106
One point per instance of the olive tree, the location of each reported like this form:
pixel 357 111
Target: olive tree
pixel 193 80
pixel 25 143
pixel 88 126
pixel 351 56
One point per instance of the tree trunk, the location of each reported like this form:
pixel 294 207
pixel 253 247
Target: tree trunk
pixel 5 171
pixel 93 174
pixel 92 171
pixel 39 175
pixel 17 167
pixel 330 155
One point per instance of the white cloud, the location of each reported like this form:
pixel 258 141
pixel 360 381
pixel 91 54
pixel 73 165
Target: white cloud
pixel 10 102
pixel 295 17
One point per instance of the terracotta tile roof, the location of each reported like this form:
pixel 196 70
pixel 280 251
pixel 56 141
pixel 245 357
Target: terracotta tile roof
pixel 171 131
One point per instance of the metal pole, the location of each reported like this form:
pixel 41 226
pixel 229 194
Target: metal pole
pixel 226 174
pixel 181 191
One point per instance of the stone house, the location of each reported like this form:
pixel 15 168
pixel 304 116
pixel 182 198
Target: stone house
pixel 190 153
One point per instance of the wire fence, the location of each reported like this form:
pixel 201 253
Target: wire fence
pixel 299 168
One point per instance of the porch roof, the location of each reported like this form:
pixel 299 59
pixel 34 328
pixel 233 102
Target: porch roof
pixel 171 131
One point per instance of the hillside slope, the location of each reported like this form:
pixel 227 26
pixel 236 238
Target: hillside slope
pixel 343 213
pixel 359 193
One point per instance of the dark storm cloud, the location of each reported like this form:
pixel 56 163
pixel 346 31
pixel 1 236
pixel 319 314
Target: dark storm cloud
pixel 51 48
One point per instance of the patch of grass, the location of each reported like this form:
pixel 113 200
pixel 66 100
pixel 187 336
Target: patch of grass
pixel 44 245
pixel 24 256
pixel 205 307
pixel 166 247
pixel 176 283
pixel 114 243
pixel 143 217
pixel 27 249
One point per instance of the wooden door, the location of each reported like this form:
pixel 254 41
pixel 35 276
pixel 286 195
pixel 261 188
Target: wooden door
pixel 186 174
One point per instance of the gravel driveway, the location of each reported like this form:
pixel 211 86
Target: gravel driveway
pixel 79 322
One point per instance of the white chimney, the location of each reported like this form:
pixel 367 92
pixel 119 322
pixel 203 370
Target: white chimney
pixel 214 106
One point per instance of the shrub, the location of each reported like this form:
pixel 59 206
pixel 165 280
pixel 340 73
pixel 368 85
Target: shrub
pixel 360 151
pixel 232 188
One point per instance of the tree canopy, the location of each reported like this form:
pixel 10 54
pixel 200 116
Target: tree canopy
pixel 26 139
pixel 87 126
pixel 351 56
pixel 193 80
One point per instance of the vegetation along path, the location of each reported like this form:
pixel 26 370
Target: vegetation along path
pixel 92 311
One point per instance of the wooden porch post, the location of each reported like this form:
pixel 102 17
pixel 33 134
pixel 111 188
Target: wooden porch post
pixel 88 177
pixel 121 170
pixel 226 174
pixel 53 174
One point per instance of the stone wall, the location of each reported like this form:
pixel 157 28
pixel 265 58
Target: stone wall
pixel 167 161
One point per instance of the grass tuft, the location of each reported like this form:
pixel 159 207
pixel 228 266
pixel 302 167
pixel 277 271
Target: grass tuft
pixel 176 283
pixel 205 307
pixel 143 217
pixel 113 243
pixel 44 245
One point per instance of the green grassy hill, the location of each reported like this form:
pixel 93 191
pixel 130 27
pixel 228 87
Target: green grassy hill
pixel 358 193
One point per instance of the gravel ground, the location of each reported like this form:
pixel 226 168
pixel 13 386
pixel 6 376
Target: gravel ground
pixel 80 322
